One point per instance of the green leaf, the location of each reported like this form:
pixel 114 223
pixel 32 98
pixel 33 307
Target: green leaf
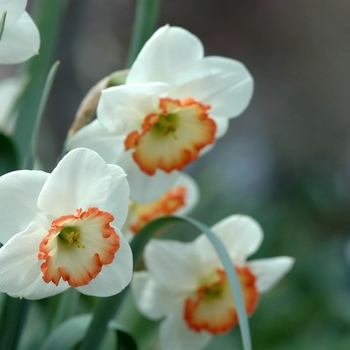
pixel 44 97
pixel 146 16
pixel 8 155
pixel 67 306
pixel 48 19
pixel 125 340
pixel 2 23
pixel 12 320
pixel 68 334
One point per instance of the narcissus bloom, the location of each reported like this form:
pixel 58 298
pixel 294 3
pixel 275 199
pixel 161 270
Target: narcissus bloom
pixel 20 39
pixel 186 284
pixel 179 200
pixel 173 107
pixel 61 230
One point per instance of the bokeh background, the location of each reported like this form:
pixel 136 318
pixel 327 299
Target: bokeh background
pixel 285 161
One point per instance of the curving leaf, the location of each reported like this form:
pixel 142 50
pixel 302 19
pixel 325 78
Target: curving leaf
pixel 68 334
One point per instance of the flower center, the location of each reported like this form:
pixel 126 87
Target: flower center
pixel 172 137
pixel 71 235
pixel 167 124
pixel 212 308
pixel 89 230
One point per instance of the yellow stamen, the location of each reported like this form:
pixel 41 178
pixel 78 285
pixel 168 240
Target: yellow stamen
pixel 71 235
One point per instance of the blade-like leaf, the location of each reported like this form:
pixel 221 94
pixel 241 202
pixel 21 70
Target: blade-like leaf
pixel 125 340
pixel 2 23
pixel 49 17
pixel 68 334
pixel 146 16
pixel 8 155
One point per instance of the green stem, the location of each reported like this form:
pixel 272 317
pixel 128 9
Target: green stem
pixel 146 16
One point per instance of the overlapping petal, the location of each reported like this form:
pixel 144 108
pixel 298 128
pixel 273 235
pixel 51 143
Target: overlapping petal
pixel 81 179
pixel 270 271
pixel 20 41
pixel 19 192
pixel 94 136
pixel 175 259
pixel 175 335
pixel 19 257
pixel 13 8
pixel 114 277
pixel 240 234
pixel 153 299
pixel 167 51
pixel 122 108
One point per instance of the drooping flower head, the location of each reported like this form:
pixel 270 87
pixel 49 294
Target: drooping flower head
pixel 173 107
pixel 20 39
pixel 62 229
pixel 185 283
pixel 179 200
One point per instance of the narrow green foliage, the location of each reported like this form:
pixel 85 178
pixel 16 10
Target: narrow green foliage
pixel 8 155
pixel 2 24
pixel 146 16
pixel 48 19
pixel 12 320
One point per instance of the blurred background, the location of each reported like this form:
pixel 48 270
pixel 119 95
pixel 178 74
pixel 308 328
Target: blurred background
pixel 285 161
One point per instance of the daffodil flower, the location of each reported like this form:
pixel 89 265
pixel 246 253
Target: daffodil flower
pixel 173 107
pixel 179 200
pixel 185 283
pixel 20 39
pixel 62 229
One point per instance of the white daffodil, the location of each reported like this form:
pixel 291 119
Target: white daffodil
pixel 61 230
pixel 186 284
pixel 173 107
pixel 20 39
pixel 179 200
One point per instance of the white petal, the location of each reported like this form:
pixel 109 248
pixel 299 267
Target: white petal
pixel 240 234
pixel 270 271
pixel 164 54
pixel 114 277
pixel 80 180
pixel 40 289
pixel 19 260
pixel 123 108
pixel 117 201
pixel 192 193
pixel 221 126
pixel 20 41
pixel 173 264
pixel 223 83
pixel 96 137
pixel 153 299
pixel 14 9
pixel 175 335
pixel 145 188
pixel 19 191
